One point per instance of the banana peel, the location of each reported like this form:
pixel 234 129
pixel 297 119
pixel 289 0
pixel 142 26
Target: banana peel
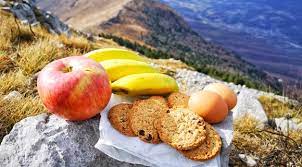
pixel 118 68
pixel 145 84
pixel 114 53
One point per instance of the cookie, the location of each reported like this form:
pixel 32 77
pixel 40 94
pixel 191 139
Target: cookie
pixel 181 129
pixel 119 118
pixel 143 115
pixel 161 101
pixel 178 100
pixel 207 150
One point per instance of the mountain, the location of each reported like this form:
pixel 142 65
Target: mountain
pixel 266 33
pixel 83 14
pixel 156 25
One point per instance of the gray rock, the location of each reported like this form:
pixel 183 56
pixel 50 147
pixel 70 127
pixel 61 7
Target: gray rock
pixel 13 95
pixel 24 12
pixel 54 24
pixel 49 141
pixel 284 125
pixel 28 13
pixel 247 104
pixel 250 161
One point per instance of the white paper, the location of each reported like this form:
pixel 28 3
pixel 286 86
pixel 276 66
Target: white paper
pixel 133 150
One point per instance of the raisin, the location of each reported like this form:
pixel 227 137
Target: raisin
pixel 168 111
pixel 149 138
pixel 141 132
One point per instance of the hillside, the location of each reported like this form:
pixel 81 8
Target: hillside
pixel 264 33
pixel 158 26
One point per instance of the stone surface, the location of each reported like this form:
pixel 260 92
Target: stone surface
pixel 28 13
pixel 250 161
pixel 46 140
pixel 247 104
pixel 197 81
pixel 284 125
pixel 13 95
pixel 24 12
pixel 2 3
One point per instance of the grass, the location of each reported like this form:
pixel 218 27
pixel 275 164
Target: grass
pixel 270 146
pixel 275 108
pixel 13 111
pixel 14 80
pixel 24 51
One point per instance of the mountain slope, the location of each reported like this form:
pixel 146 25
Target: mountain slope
pixel 158 26
pixel 82 14
pixel 263 32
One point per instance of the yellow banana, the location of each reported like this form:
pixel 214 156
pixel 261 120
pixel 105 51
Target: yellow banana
pixel 118 68
pixel 145 84
pixel 113 53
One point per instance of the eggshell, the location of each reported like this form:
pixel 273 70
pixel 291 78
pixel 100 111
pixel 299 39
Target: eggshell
pixel 209 105
pixel 225 92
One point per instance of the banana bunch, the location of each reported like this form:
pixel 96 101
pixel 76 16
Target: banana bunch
pixel 130 73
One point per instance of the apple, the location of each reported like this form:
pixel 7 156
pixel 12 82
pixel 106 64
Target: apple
pixel 75 88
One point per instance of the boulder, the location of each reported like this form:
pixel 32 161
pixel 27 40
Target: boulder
pixel 47 140
pixel 28 13
pixel 24 12
pixel 53 24
pixel 248 104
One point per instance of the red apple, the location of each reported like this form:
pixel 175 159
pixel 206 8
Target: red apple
pixel 75 88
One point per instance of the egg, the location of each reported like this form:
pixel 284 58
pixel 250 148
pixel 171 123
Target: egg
pixel 225 92
pixel 209 105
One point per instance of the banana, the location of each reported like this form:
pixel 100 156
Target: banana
pixel 145 84
pixel 113 53
pixel 118 68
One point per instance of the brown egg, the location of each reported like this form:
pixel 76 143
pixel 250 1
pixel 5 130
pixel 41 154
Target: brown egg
pixel 225 92
pixel 209 105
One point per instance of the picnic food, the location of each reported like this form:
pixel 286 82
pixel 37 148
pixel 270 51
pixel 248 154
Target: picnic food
pixel 75 88
pixel 181 128
pixel 145 84
pixel 113 53
pixel 119 118
pixel 178 100
pixel 118 68
pixel 209 105
pixel 160 101
pixel 225 92
pixel 207 150
pixel 142 117
pixel 153 121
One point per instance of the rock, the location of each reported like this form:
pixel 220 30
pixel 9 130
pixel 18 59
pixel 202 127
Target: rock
pixel 48 141
pixel 14 95
pixel 53 24
pixel 24 12
pixel 250 161
pixel 28 13
pixel 248 104
pixel 2 3
pixel 283 124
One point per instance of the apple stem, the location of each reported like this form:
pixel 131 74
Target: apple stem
pixel 67 69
